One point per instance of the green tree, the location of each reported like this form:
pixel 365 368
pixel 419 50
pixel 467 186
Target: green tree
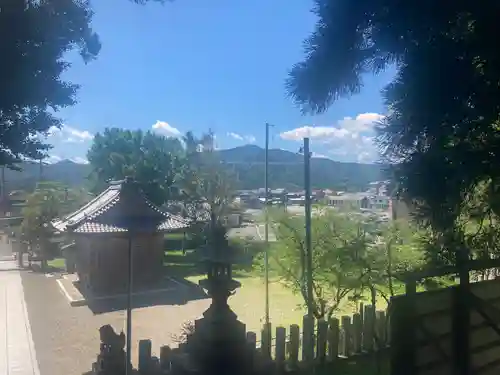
pixel 49 201
pixel 154 161
pixel 442 127
pixel 350 257
pixel 392 250
pixel 33 59
pixel 207 187
pixel 336 242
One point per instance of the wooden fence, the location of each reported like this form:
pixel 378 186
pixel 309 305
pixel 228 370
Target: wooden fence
pixel 320 342
pixel 427 333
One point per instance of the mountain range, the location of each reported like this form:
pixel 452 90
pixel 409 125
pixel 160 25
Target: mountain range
pixel 285 170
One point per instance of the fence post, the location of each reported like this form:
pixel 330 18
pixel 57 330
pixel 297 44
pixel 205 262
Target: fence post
pixel 252 339
pixel 461 316
pixel 266 341
pixel 381 333
pixel 361 311
pixel 368 333
pixel 321 341
pixel 307 335
pixel 357 333
pixel 144 355
pixel 294 345
pixel 280 354
pixel 165 358
pixel 347 329
pixel 333 339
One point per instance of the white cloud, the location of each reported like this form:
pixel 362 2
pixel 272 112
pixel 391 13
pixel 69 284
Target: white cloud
pixel 361 123
pixel 79 134
pixel 319 156
pixel 235 136
pixel 350 139
pixel 313 132
pixel 79 160
pixel 244 138
pixel 166 129
pixel 69 134
pixel 51 159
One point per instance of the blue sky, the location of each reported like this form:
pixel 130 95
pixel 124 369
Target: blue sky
pixel 198 64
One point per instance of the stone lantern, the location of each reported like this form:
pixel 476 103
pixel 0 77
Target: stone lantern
pixel 218 344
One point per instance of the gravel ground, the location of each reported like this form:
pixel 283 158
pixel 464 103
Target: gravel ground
pixel 67 339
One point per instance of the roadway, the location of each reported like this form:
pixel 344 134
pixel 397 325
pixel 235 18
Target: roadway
pixel 254 232
pixel 5 250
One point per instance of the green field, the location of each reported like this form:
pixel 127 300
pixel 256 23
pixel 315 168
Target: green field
pixel 57 264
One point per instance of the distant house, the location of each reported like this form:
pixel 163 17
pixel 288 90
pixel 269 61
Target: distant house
pixel 358 201
pixel 12 204
pixel 5 207
pixel 380 202
pixel 347 201
pixel 319 194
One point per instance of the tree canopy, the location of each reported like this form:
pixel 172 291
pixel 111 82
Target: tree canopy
pixel 34 59
pixel 49 201
pixel 154 161
pixel 350 256
pixel 441 130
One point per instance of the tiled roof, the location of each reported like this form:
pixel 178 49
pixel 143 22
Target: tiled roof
pixel 173 222
pixel 93 227
pixel 102 201
pixel 91 219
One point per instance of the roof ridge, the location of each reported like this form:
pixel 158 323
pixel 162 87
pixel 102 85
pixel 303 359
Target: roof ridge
pixel 69 218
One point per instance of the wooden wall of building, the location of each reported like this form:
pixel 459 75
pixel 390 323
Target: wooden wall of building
pixel 103 260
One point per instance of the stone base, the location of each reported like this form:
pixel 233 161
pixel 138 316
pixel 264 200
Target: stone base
pixel 219 346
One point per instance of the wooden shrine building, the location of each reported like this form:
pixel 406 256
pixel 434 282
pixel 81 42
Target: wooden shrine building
pixel 102 229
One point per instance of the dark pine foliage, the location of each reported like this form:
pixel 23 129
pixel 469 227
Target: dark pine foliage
pixel 35 37
pixel 441 133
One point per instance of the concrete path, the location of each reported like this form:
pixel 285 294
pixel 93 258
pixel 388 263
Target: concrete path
pixel 17 351
pixel 5 249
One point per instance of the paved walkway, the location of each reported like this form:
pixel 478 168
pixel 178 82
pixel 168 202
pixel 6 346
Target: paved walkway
pixel 17 351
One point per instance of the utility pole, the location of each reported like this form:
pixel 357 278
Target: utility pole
pixel 309 340
pixel 266 227
pixel 129 304
pixel 307 183
pixel 3 182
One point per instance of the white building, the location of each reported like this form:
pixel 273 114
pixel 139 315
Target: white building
pixel 358 201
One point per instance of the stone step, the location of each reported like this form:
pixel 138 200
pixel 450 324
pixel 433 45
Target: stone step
pixel 8 265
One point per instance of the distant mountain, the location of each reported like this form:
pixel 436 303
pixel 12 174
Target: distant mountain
pixel 286 169
pixel 65 171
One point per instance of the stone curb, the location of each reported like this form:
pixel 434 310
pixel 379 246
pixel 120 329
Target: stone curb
pixel 76 302
pixel 72 301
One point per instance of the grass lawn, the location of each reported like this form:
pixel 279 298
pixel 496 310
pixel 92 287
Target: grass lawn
pixel 285 308
pixel 249 302
pixel 174 236
pixel 57 263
